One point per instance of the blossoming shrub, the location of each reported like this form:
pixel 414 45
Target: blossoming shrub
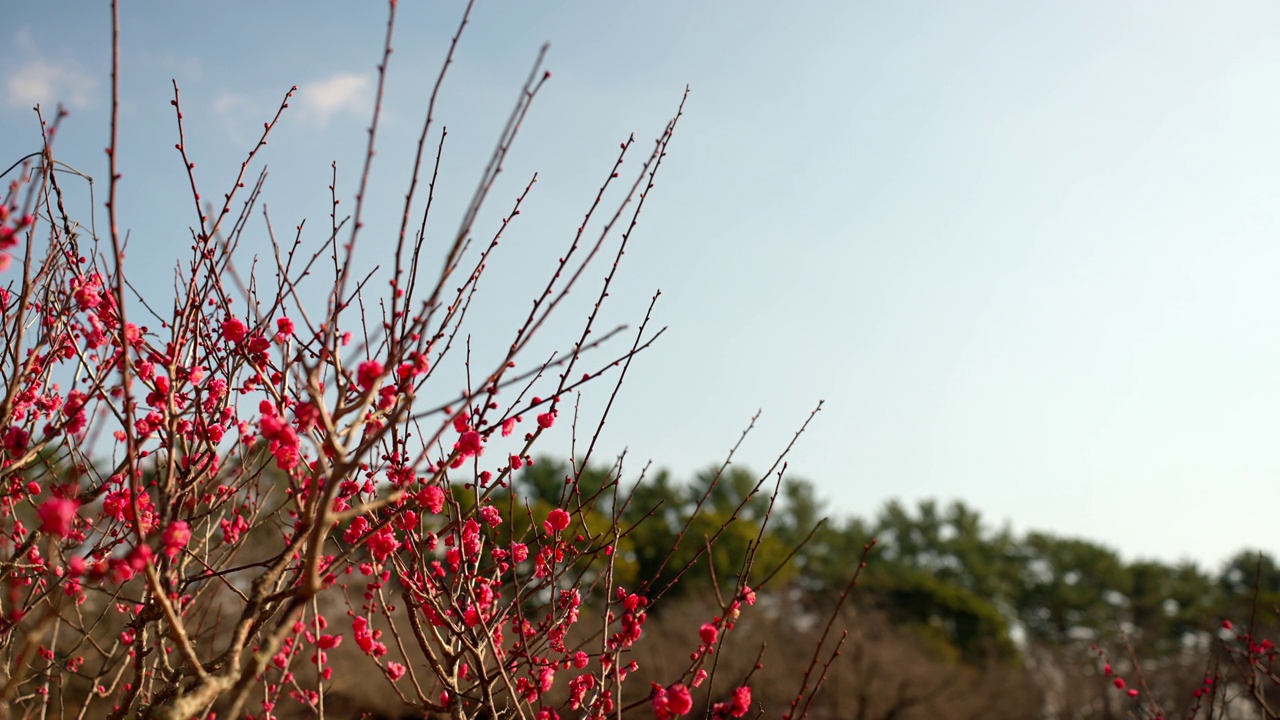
pixel 204 497
pixel 1238 677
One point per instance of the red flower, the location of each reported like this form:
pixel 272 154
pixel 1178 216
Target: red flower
pixel 490 515
pixel 708 633
pixel 368 373
pixel 234 330
pixel 382 543
pixel 175 537
pixel 679 701
pixel 15 440
pixel 556 522
pixel 138 557
pixel 58 516
pixel 519 552
pixel 741 702
pixel 432 498
pixel 469 444
pixel 671 702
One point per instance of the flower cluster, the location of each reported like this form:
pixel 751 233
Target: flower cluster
pixel 200 498
pixel 11 227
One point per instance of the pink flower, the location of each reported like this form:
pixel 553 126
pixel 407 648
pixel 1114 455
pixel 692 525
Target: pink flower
pixel 284 326
pixel 368 373
pixel 356 530
pixel 659 700
pixel 88 291
pixel 15 441
pixel 233 529
pixel 234 330
pixel 708 633
pixel 671 702
pixel 471 616
pixel 490 515
pixel 175 537
pixel 58 516
pixel 382 543
pixel 679 701
pixel 519 552
pixel 432 498
pixel 395 670
pixel 547 419
pixel 556 522
pixel 546 678
pixel 284 439
pixel 138 557
pixel 741 702
pixel 470 443
pixel 366 638
pixel 471 542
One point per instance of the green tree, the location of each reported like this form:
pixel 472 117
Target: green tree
pixel 1168 604
pixel 1072 590
pixel 1249 587
pixel 943 574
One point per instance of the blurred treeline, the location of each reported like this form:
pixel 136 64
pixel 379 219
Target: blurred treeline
pixel 953 617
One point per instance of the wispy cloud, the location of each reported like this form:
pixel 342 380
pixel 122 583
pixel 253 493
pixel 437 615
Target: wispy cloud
pixel 236 113
pixel 186 68
pixel 341 93
pixel 228 104
pixel 38 80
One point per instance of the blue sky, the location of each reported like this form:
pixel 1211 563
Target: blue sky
pixel 1026 252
